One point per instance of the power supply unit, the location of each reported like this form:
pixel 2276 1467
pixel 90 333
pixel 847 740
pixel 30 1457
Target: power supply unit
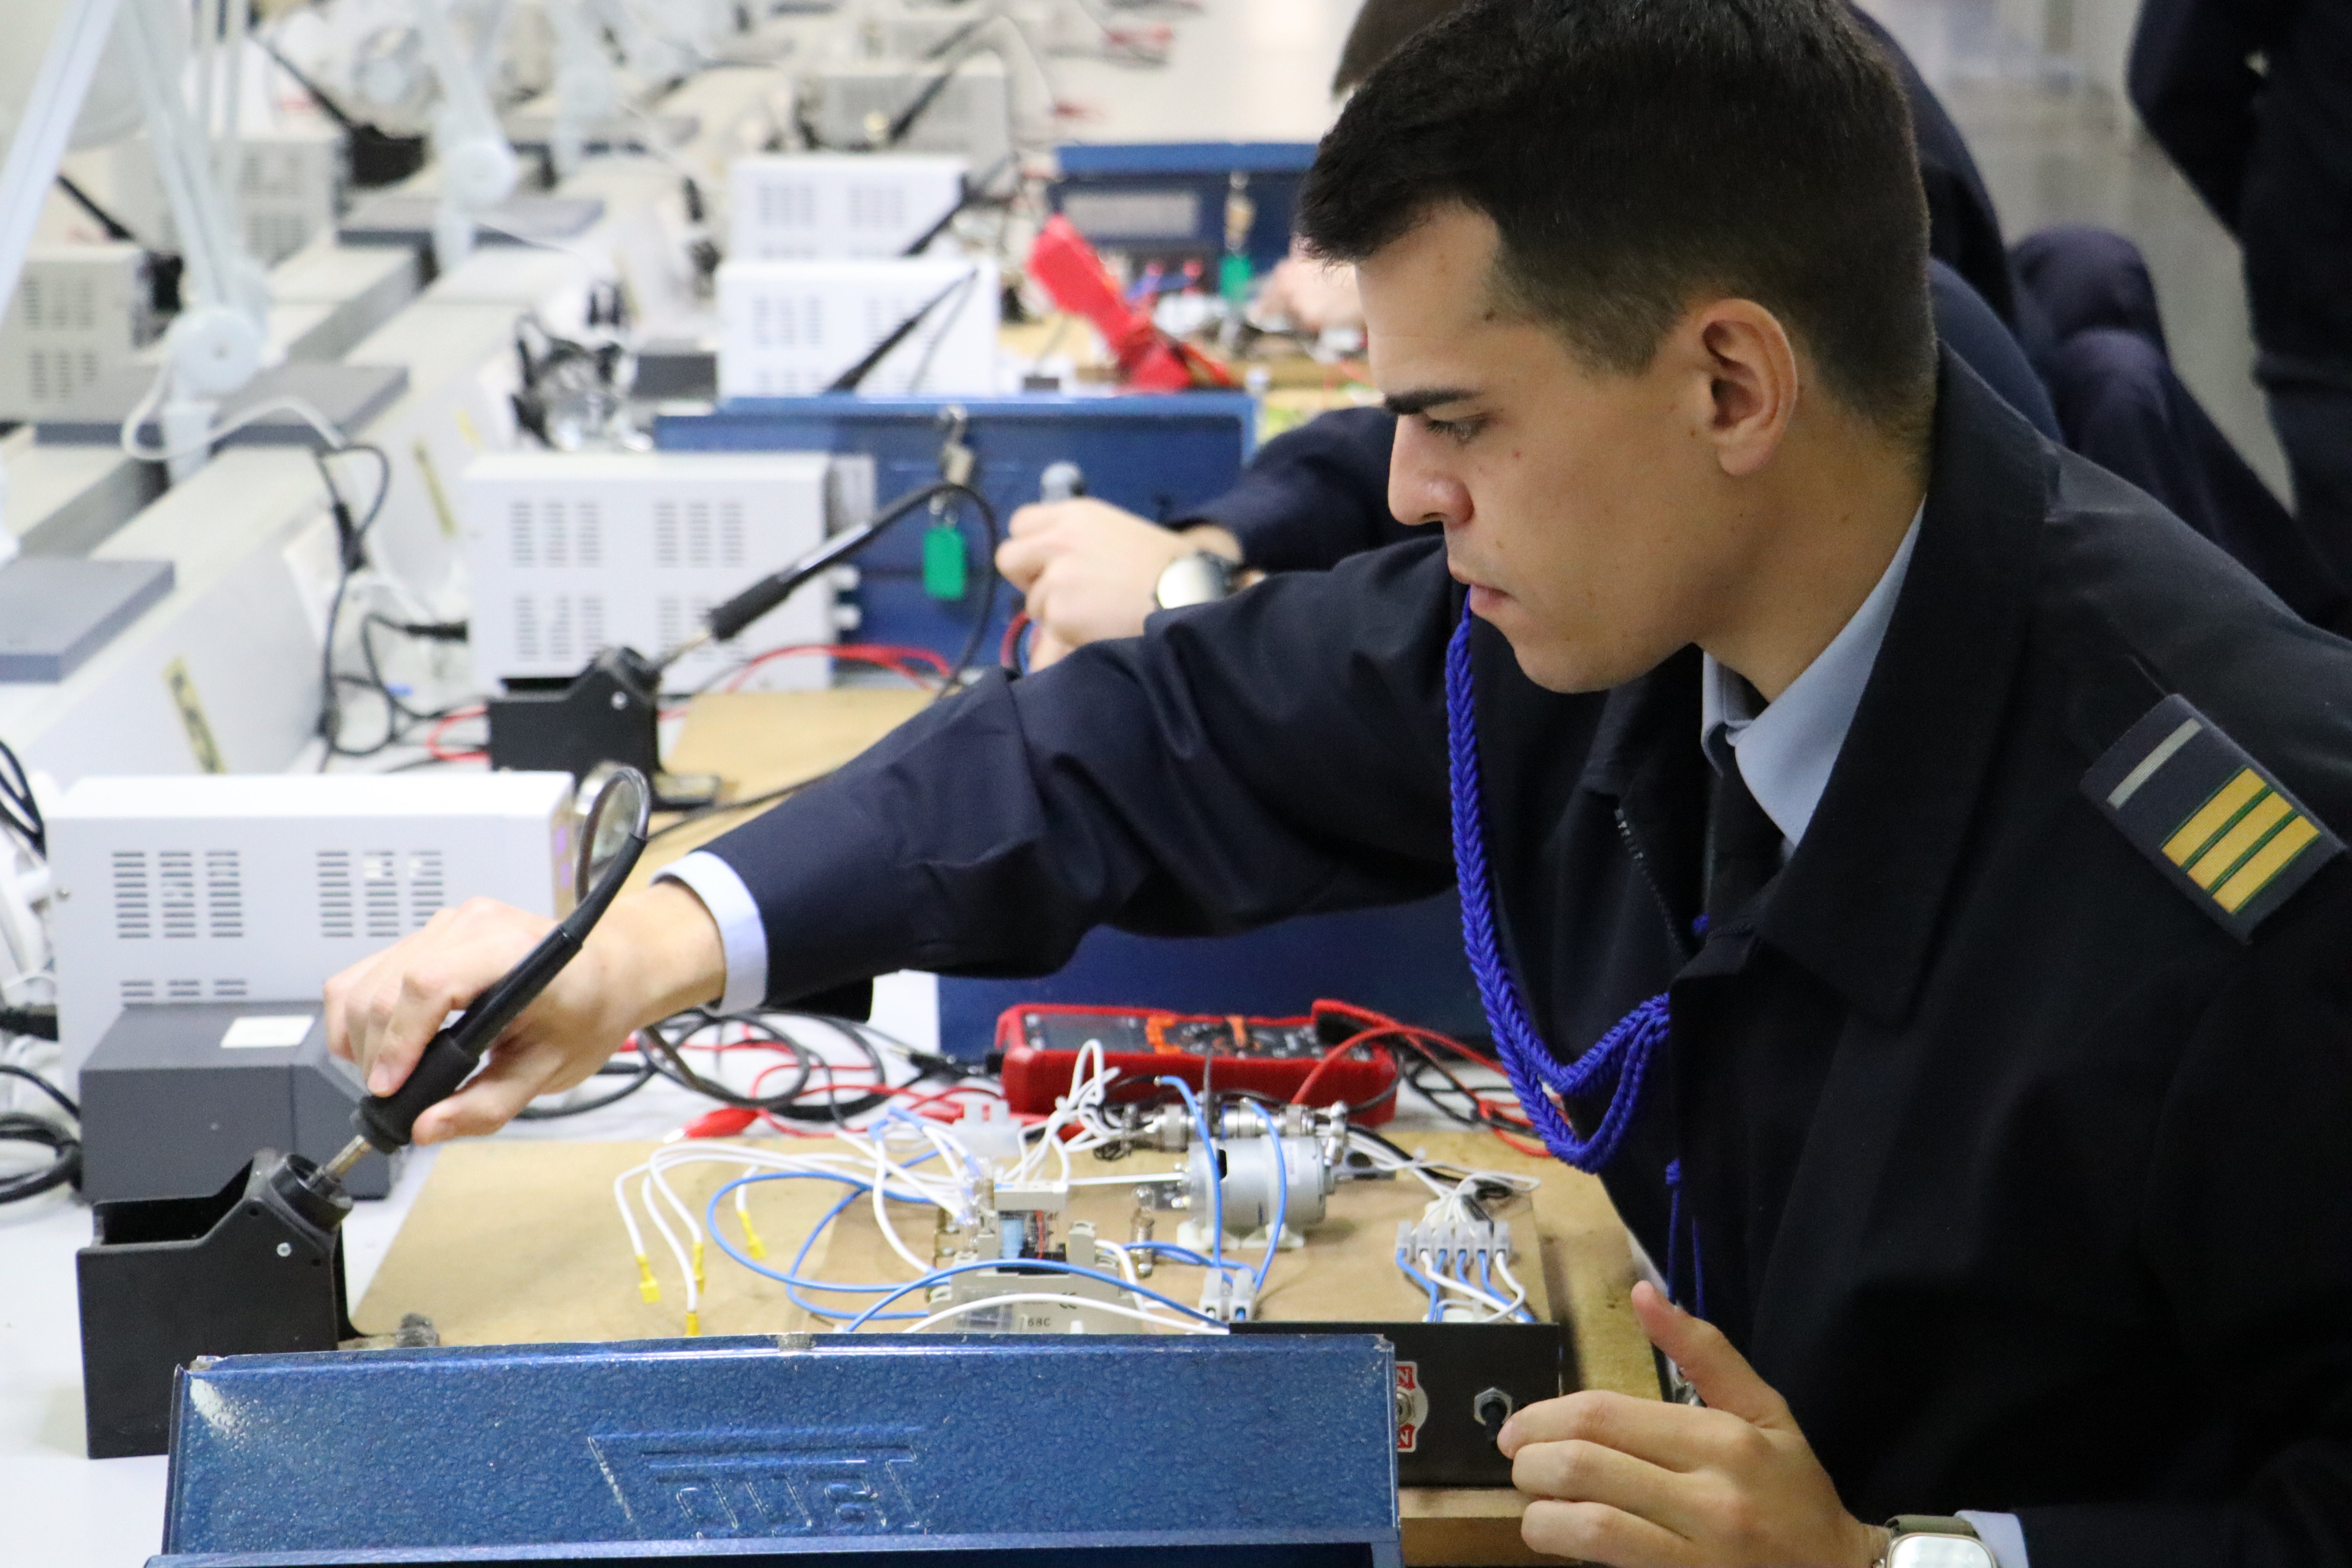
pixel 233 888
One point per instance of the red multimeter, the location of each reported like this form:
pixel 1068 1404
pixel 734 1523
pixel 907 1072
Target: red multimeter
pixel 1038 1047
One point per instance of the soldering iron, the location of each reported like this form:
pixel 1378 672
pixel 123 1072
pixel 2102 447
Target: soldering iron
pixel 613 837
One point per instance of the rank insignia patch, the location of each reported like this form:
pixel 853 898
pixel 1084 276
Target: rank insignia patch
pixel 2225 832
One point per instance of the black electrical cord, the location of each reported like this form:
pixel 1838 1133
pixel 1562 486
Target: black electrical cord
pixel 350 554
pixel 666 1053
pixel 19 1127
pixel 40 1023
pixel 114 226
pixel 639 1075
pixel 731 618
pixel 18 809
pixel 16 1127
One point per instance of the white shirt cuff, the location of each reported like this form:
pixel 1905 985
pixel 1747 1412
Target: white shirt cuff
pixel 2001 1534
pixel 741 935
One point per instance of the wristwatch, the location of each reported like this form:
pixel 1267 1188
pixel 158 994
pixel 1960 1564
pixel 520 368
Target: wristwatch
pixel 1928 1541
pixel 1200 578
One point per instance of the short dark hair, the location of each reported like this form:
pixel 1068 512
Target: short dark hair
pixel 1635 154
pixel 1379 27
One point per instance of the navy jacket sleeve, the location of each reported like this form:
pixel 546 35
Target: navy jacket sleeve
pixel 2246 1227
pixel 1314 495
pixel 1282 753
pixel 2192 80
pixel 1965 324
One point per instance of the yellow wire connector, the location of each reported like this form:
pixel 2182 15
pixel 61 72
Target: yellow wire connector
pixel 700 1283
pixel 646 1286
pixel 693 1323
pixel 752 1242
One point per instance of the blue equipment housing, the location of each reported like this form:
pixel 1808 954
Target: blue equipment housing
pixel 1165 201
pixel 923 1451
pixel 1155 456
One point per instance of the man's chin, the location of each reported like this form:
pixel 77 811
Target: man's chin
pixel 1564 666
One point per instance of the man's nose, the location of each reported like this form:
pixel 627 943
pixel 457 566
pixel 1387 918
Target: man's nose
pixel 1421 487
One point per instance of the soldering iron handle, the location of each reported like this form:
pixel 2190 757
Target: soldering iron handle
pixel 389 1122
pixel 730 618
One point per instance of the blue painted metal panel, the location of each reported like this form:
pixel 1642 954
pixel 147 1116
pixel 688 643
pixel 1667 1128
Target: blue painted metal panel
pixel 1404 960
pixel 1275 170
pixel 1099 1452
pixel 1158 456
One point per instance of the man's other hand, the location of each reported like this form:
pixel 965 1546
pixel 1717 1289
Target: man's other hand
pixel 655 952
pixel 1089 570
pixel 1637 1483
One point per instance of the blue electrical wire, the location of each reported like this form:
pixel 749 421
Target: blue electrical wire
pixel 1216 1170
pixel 1281 1194
pixel 1039 1265
pixel 792 1281
pixel 1425 1282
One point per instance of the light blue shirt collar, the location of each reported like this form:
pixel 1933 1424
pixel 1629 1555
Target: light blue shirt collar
pixel 1786 752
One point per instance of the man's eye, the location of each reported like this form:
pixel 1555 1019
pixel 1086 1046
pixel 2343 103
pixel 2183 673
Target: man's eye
pixel 1457 431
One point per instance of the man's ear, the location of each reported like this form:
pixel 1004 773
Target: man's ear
pixel 1743 355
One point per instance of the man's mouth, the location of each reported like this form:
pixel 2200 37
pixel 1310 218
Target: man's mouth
pixel 1481 594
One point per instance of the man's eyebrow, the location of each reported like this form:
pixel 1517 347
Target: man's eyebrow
pixel 1425 398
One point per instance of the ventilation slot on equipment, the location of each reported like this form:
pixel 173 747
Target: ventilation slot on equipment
pixel 176 874
pixel 526 627
pixel 592 623
pixel 876 207
pixel 228 991
pixel 559 546
pixel 224 895
pixel 426 891
pixel 559 630
pixel 337 914
pixel 665 533
pixel 183 990
pixel 589 538
pixel 134 991
pixel 379 892
pixel 730 532
pixel 698 533
pixel 519 551
pixel 134 909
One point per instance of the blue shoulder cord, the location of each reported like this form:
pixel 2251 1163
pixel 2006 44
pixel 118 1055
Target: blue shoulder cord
pixel 1619 1063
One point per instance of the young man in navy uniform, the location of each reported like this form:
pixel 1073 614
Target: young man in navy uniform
pixel 1905 850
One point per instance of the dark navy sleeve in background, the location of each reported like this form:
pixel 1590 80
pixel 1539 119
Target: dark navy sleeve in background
pixel 1966 325
pixel 1313 496
pixel 2191 78
pixel 1963 229
pixel 1282 753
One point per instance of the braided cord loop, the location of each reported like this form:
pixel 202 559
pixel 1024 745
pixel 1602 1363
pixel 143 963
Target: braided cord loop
pixel 1619 1062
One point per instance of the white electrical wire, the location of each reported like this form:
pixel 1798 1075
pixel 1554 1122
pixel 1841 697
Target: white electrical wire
pixel 128 438
pixel 1183 1325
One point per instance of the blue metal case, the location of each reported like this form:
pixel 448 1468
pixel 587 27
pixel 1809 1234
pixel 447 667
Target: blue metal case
pixel 954 1451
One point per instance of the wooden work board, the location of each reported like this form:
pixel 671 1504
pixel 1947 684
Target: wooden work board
pixel 520 1241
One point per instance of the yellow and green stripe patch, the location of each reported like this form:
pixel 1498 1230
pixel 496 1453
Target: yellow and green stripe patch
pixel 2222 828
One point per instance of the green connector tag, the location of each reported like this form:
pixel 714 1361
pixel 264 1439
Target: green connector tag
pixel 946 572
pixel 1234 281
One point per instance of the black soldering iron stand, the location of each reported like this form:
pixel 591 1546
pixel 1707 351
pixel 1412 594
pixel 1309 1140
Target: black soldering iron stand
pixel 256 1267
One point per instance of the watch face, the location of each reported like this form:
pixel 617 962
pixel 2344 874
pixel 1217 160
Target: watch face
pixel 1940 1551
pixel 1193 580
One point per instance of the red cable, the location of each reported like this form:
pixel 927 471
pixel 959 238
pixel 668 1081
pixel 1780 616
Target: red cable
pixel 433 737
pixel 891 656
